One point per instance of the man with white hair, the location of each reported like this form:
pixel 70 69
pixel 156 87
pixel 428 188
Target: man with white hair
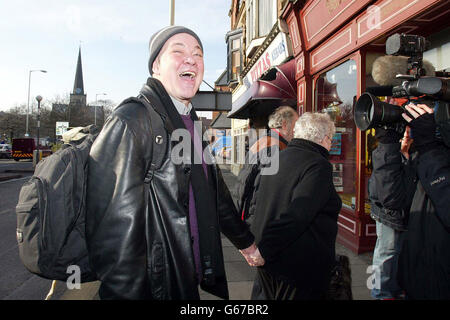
pixel 282 121
pixel 281 127
pixel 295 226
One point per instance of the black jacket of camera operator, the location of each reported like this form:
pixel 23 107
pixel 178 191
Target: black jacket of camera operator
pixel 417 190
pixel 391 175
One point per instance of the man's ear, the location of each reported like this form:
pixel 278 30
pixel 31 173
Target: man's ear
pixel 155 66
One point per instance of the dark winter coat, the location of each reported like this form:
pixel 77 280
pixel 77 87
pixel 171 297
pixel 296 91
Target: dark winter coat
pixel 424 262
pixel 249 177
pixel 391 172
pixel 295 224
pixel 139 241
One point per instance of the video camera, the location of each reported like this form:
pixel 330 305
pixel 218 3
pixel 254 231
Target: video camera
pixel 370 112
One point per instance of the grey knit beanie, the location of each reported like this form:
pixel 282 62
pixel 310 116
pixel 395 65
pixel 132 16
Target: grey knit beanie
pixel 158 40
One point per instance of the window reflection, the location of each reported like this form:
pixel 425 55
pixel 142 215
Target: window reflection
pixel 335 94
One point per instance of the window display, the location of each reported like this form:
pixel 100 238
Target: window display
pixel 335 94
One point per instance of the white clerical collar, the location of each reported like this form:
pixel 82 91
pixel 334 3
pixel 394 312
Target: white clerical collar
pixel 181 107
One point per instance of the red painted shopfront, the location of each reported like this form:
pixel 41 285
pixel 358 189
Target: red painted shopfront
pixel 335 43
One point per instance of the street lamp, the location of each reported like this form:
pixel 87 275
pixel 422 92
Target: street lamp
pixel 28 103
pixel 95 107
pixel 172 12
pixel 39 99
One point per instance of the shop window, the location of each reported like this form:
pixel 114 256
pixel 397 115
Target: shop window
pixel 335 93
pixel 439 51
pixel 369 135
pixel 234 64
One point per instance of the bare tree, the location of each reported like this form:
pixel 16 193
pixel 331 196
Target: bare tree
pixel 58 108
pixel 12 122
pixel 108 107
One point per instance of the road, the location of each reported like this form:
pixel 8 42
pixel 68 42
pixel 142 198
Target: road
pixel 16 282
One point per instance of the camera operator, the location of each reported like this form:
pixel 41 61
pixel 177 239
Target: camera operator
pixel 416 187
pixel 392 171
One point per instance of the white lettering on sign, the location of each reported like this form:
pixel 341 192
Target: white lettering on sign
pixel 275 53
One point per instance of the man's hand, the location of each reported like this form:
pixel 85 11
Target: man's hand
pixel 423 126
pixel 416 111
pixel 253 256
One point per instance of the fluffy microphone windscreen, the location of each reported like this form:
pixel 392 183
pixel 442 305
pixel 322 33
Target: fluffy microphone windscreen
pixel 385 69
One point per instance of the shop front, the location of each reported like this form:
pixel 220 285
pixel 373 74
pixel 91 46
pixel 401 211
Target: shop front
pixel 258 92
pixel 334 45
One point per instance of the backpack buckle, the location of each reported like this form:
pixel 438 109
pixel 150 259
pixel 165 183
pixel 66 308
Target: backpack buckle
pixel 150 173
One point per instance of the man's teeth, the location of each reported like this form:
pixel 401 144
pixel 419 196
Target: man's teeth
pixel 187 73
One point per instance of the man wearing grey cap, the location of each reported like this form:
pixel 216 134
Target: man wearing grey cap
pixel 160 238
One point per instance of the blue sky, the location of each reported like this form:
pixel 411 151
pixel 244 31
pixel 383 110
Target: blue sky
pixel 114 35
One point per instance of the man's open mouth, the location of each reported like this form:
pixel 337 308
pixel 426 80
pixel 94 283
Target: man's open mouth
pixel 188 74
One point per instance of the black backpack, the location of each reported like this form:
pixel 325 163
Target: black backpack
pixel 52 206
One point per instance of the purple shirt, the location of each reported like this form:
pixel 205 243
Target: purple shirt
pixel 189 123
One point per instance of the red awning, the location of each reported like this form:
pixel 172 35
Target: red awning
pixel 277 86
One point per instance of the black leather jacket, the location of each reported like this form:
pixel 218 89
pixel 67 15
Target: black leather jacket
pixel 139 240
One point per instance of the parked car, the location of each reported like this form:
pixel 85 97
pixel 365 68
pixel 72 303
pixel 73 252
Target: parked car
pixel 5 151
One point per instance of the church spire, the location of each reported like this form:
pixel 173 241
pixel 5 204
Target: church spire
pixel 78 87
pixel 78 97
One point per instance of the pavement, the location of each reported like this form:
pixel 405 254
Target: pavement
pixel 239 274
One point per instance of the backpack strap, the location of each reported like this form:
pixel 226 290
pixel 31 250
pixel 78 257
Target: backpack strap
pixel 159 136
